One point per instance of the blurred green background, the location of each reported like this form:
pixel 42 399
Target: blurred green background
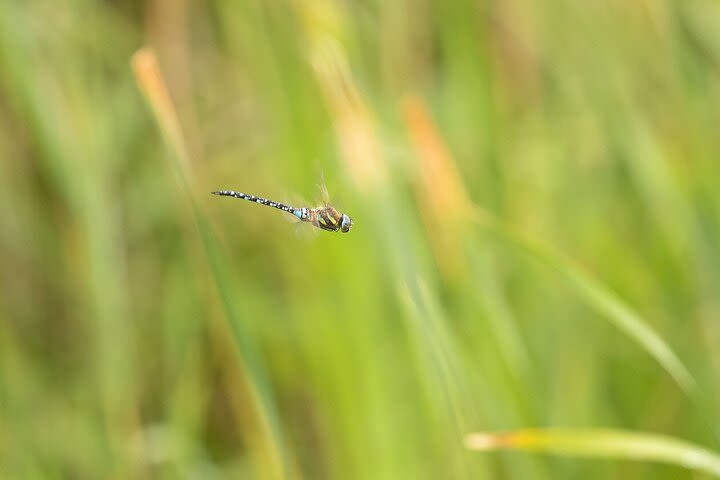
pixel 151 330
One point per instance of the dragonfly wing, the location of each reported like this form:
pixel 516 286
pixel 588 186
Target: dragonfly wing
pixel 322 187
pixel 305 230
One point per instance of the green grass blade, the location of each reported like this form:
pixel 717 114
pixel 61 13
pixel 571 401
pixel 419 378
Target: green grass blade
pixel 601 299
pixel 152 84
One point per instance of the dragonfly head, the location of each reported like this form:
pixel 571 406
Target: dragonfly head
pixel 346 223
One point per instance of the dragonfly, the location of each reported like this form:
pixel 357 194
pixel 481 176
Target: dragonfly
pixel 325 217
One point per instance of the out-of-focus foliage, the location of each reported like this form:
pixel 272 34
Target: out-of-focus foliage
pixel 534 185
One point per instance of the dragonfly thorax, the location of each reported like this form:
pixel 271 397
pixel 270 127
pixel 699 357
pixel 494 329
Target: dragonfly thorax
pixel 328 218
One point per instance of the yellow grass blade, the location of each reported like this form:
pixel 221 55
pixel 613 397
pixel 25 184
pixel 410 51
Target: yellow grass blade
pixel 602 443
pixel 153 86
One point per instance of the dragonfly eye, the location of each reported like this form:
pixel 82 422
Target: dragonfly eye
pixel 345 223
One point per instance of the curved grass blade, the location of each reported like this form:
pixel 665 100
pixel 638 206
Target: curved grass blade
pixel 602 443
pixel 442 183
pixel 600 298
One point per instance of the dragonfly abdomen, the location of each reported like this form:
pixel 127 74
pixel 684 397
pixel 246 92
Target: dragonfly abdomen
pixel 263 201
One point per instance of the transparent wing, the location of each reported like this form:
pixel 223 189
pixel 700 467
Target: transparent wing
pixel 322 187
pixel 305 231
